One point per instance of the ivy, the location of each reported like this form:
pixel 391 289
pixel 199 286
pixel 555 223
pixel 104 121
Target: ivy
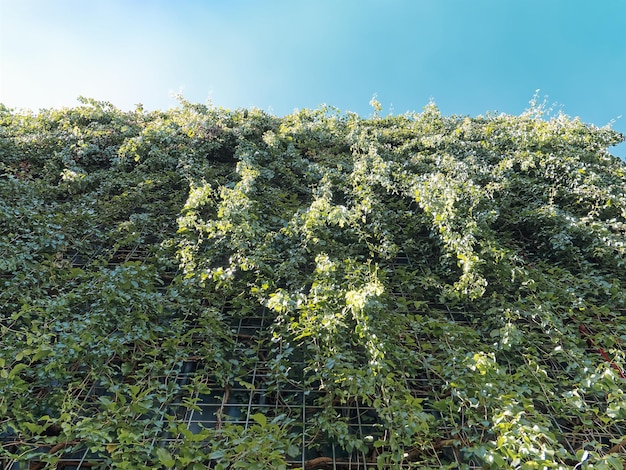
pixel 460 280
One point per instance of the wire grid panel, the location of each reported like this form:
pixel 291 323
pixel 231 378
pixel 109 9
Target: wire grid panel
pixel 240 402
pixel 255 393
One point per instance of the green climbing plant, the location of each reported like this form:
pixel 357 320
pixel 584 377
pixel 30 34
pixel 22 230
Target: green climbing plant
pixel 462 279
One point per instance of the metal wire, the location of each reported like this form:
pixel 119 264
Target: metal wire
pixel 241 402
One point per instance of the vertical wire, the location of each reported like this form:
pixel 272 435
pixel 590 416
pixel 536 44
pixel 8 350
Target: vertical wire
pixel 82 459
pixel 258 332
pixel 303 425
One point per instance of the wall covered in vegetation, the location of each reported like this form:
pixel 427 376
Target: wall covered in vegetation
pixel 462 279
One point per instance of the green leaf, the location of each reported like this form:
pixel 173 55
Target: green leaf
pixel 217 454
pixel 260 419
pixel 293 450
pixel 380 443
pixel 17 369
pixel 165 457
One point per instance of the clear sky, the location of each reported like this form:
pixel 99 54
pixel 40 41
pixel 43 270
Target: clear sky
pixel 469 56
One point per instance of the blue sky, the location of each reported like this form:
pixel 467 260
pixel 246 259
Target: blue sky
pixel 469 56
